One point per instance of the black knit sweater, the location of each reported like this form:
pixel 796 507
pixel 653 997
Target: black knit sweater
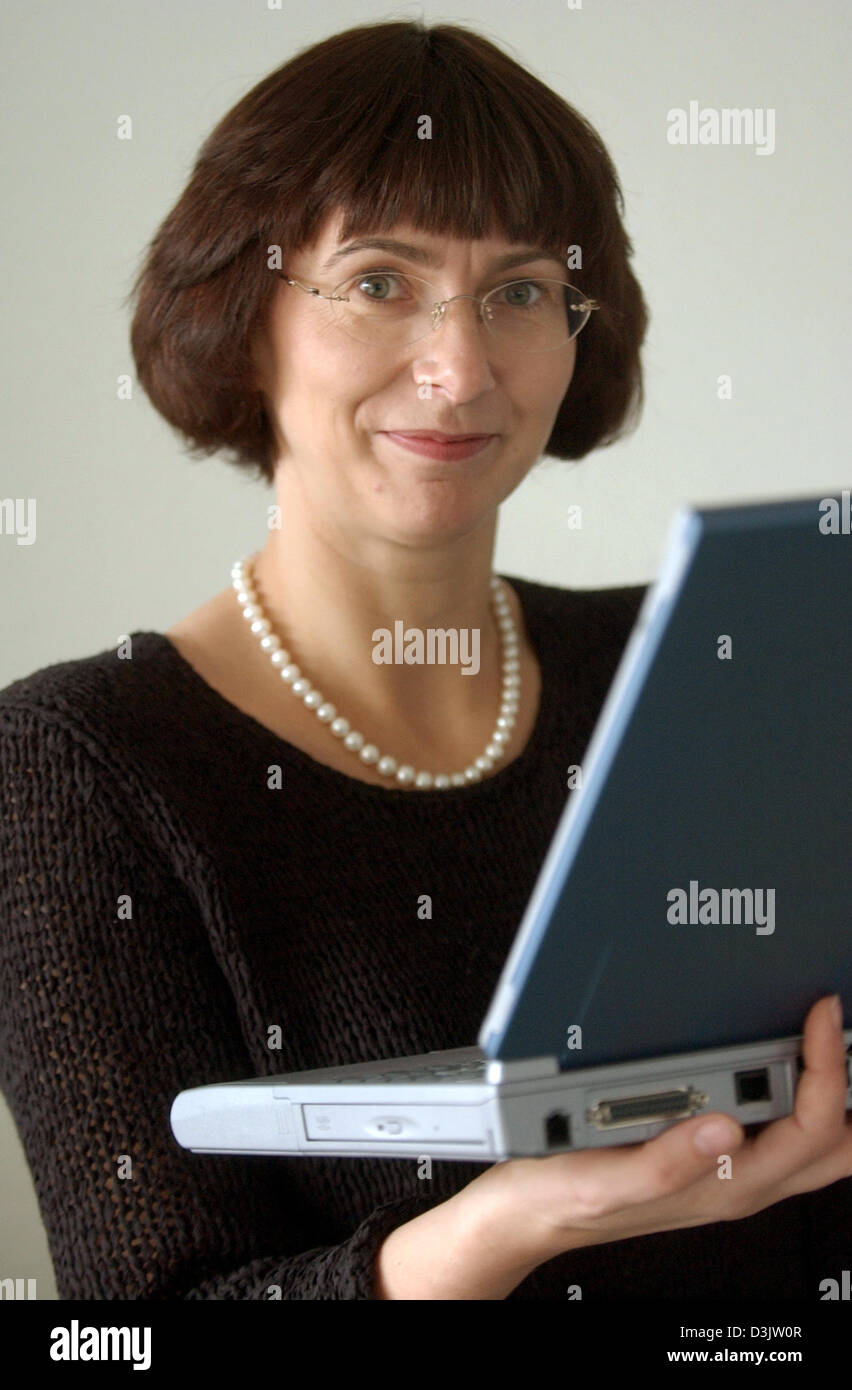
pixel 163 908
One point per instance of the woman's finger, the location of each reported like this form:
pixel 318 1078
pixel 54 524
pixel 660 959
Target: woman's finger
pixel 810 1147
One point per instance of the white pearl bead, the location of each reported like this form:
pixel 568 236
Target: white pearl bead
pixel 472 774
pixel 495 751
pixel 280 657
pixel 354 741
pixel 483 762
pixel 326 713
pixel 458 779
pixel 424 780
pixel 442 781
pixel 501 736
pixel 250 611
pixel 405 774
pixel 301 686
pixel 369 753
pixel 270 642
pixel 504 722
pixel 290 674
pixel 340 726
pixel 386 765
pixel 260 626
pixel 313 699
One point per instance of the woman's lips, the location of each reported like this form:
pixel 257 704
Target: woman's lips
pixel 432 446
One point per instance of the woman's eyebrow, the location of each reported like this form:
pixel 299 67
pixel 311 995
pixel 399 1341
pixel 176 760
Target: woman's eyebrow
pixel 429 258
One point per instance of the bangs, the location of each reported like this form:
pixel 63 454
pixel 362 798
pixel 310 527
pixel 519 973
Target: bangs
pixel 418 126
pixel 482 171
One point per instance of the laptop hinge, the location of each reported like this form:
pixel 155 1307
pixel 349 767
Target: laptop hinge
pixel 520 1069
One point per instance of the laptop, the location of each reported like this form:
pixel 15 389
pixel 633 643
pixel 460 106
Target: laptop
pixel 692 906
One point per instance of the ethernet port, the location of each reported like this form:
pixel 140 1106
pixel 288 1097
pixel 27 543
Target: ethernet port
pixel 752 1085
pixel 557 1130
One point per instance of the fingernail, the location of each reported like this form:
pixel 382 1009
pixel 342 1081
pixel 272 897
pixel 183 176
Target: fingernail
pixel 837 1009
pixel 713 1138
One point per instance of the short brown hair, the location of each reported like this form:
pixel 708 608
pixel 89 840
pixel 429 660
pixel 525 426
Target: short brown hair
pixel 335 128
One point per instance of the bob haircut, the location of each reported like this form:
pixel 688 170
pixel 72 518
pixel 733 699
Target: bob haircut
pixel 335 129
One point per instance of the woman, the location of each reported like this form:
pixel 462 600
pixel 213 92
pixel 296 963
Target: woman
pixel 211 872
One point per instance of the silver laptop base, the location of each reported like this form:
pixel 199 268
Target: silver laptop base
pixel 518 1109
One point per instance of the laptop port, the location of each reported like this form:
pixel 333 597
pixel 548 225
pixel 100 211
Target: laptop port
pixel 640 1110
pixel 557 1130
pixel 752 1085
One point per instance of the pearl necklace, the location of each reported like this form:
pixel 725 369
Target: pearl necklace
pixel 405 776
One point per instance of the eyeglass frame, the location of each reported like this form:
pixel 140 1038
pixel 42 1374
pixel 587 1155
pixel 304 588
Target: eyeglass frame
pixel 441 304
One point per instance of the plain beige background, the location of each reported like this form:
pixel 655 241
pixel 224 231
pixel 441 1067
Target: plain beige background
pixel 743 258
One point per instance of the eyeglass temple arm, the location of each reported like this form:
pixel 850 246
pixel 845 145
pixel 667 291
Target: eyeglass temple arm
pixel 309 288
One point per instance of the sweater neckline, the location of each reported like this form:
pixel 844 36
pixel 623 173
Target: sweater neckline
pixel 537 743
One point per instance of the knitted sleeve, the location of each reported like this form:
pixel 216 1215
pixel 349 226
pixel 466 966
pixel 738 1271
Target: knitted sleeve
pixel 111 1002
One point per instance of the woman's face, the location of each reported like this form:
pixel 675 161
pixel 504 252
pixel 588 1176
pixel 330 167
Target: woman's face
pixel 333 399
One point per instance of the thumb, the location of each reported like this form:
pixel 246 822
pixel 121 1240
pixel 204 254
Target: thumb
pixel 609 1179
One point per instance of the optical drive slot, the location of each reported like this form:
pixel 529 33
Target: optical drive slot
pixel 403 1123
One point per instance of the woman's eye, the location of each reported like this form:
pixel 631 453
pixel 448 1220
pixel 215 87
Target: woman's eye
pixel 518 294
pixel 380 281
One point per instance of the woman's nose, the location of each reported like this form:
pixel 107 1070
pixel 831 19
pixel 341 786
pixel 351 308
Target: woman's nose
pixel 458 344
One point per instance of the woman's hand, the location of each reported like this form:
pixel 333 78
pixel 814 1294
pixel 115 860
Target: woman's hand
pixel 540 1207
pixel 485 1240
